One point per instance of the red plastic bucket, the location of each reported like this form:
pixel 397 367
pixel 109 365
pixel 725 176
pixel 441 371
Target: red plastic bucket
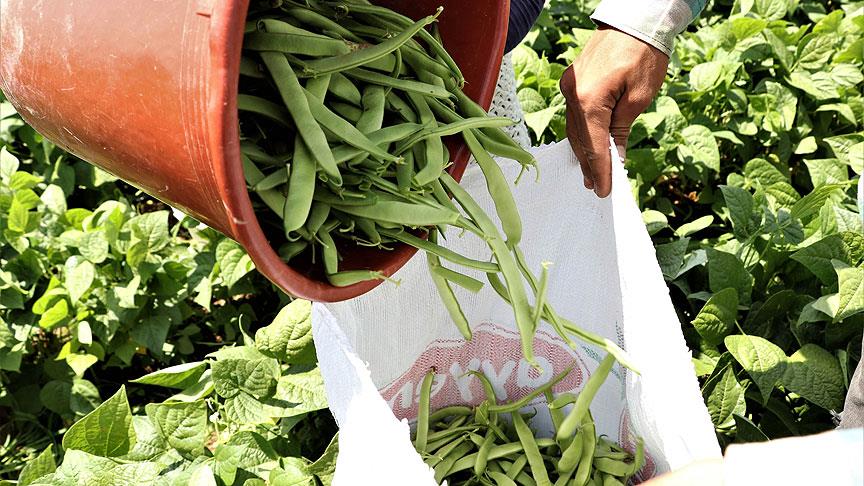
pixel 147 90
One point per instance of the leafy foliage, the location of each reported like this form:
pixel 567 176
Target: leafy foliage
pixel 237 422
pixel 745 167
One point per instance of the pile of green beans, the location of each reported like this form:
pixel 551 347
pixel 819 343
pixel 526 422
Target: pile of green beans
pixel 477 445
pixel 343 109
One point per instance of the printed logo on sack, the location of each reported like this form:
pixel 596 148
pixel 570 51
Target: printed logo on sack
pixel 496 352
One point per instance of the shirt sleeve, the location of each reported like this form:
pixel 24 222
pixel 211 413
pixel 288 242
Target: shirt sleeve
pixel 523 14
pixel 656 22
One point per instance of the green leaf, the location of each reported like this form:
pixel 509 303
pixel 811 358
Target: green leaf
pixel 106 431
pixel 654 220
pixel 815 374
pixel 325 466
pixel 151 229
pixel 727 270
pixel 233 262
pixel 55 315
pixel 670 257
pixel 19 217
pixel 726 399
pixel 8 165
pixel 761 359
pixel 717 317
pixel 744 27
pixel 747 431
pixel 256 377
pixel 54 199
pixel 538 121
pixel 814 51
pixel 818 85
pixel 688 229
pixel 55 396
pixel 35 469
pixel 80 362
pixel 770 9
pixel 304 389
pixel 290 333
pixel 817 257
pixel 826 171
pixel 180 376
pixel 152 332
pixel 851 290
pixel 699 147
pixel 811 203
pixel 745 220
pixel 294 471
pixel 202 475
pixel 183 425
pixel 79 277
pixel 94 246
pixel 847 75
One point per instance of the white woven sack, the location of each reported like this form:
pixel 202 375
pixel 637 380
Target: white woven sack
pixel 374 350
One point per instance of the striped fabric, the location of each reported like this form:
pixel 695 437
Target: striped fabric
pixel 656 22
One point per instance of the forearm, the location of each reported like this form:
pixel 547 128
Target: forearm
pixel 656 22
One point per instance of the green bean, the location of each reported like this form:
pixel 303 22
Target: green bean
pixel 253 176
pixel 449 411
pixel 256 154
pixel 301 186
pixel 483 453
pixel 295 99
pixel 386 135
pixel 318 86
pixel 524 479
pixel 589 440
pixel 379 13
pixel 540 301
pixel 314 19
pixel 402 213
pixel 291 249
pixel 420 62
pixel 399 106
pixel 423 413
pixel 508 151
pixel 444 468
pixel 440 251
pixel 280 27
pixel 341 128
pixel 433 148
pixel 580 408
pixel 351 277
pixel 273 180
pixel 517 466
pixel 468 283
pixel 343 88
pixel 518 404
pixel 501 479
pixel 347 111
pixel 373 101
pixel 323 195
pixel 611 481
pixel 498 451
pixel 317 217
pixel 532 451
pixel 452 129
pixel 638 460
pixel 331 257
pixel 260 106
pixel 365 56
pixel 405 172
pixel 295 44
pixel 372 77
pixel 450 431
pixel 611 466
pixel 571 456
pixel 250 68
pixel 499 189
pixel 451 304
pixel 518 298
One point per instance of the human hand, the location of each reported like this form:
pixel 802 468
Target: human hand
pixel 612 81
pixel 707 472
